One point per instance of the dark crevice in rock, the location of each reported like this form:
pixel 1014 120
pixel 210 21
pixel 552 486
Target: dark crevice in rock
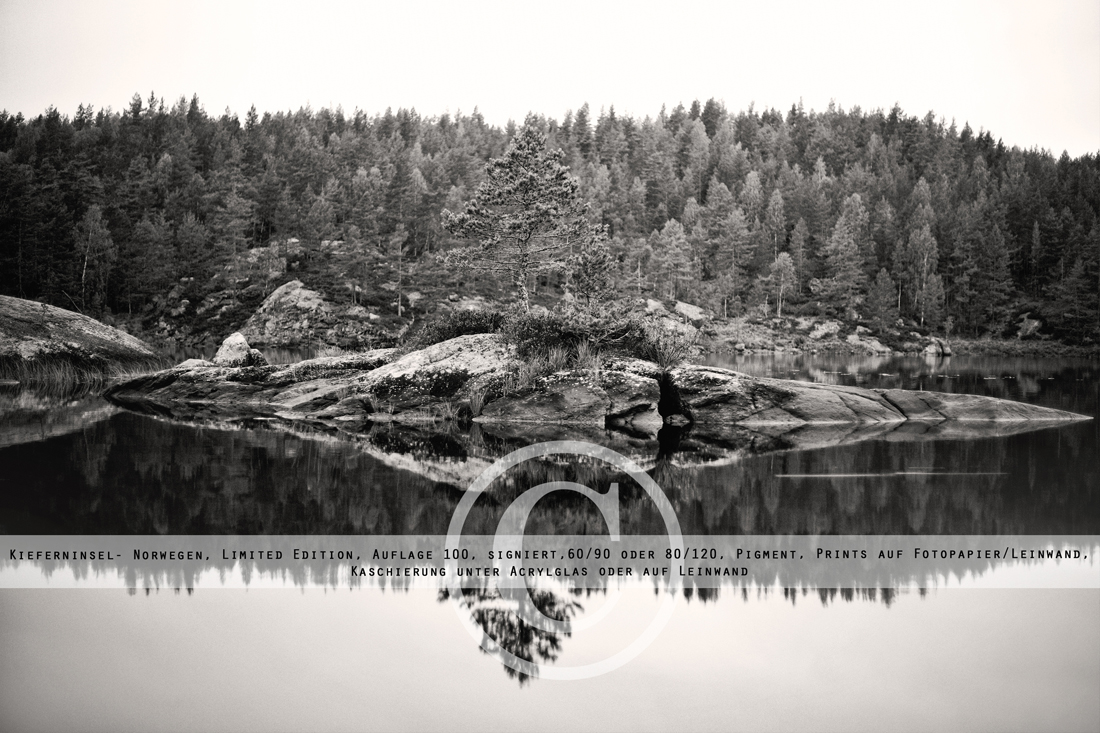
pixel 893 404
pixel 937 415
pixel 671 403
pixel 933 409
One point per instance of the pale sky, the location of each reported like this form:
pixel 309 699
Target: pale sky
pixel 1027 71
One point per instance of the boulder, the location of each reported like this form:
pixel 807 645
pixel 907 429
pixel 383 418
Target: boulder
pixel 235 352
pixel 620 398
pixel 34 335
pixel 450 370
pixel 634 400
pixel 294 316
pixel 824 330
pixel 1028 327
pixel 192 363
pixel 566 397
pixel 291 315
pixel 868 344
pixel 693 313
pixel 655 307
pixel 937 347
pixel 354 385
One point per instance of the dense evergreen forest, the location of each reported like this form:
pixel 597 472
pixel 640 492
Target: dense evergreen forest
pixel 857 215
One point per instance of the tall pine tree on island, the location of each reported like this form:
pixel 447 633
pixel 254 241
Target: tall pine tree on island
pixel 526 215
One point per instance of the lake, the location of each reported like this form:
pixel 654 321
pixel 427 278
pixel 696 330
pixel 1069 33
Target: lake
pixel 968 653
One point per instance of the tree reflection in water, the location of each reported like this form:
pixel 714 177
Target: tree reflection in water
pixel 534 647
pixel 505 628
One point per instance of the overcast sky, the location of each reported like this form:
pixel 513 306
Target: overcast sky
pixel 1027 71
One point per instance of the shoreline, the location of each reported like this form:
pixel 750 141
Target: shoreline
pixel 959 347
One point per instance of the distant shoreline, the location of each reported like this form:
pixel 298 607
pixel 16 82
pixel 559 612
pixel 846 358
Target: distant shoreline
pixel 959 347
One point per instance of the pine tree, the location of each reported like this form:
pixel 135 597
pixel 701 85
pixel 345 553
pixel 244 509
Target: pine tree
pixel 525 215
pixel 752 195
pixel 582 132
pixel 995 281
pixel 798 249
pixel 147 265
pixel 930 300
pixel 193 249
pixel 882 301
pixel 857 221
pixel 591 273
pixel 397 252
pixel 732 258
pixel 846 280
pixel 673 265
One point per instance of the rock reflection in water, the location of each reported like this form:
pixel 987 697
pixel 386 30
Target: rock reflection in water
pixel 107 472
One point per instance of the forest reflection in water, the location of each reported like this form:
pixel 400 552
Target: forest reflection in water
pixel 83 467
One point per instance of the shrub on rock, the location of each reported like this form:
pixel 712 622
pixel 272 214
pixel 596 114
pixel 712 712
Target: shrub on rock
pixel 458 323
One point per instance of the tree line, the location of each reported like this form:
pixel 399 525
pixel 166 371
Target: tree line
pixel 858 215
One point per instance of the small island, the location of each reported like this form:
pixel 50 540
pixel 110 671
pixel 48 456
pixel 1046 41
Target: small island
pixel 482 377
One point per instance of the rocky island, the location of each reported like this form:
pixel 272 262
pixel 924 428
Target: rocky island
pixel 480 378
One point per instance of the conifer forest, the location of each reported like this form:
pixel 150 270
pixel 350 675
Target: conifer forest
pixel 863 216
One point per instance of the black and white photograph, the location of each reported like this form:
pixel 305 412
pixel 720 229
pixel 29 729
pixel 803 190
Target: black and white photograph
pixel 504 366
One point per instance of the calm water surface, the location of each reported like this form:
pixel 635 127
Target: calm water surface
pixel 363 659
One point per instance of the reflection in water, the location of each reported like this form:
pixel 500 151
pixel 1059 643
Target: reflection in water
pixel 28 416
pixel 505 628
pixel 130 474
pixel 535 647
